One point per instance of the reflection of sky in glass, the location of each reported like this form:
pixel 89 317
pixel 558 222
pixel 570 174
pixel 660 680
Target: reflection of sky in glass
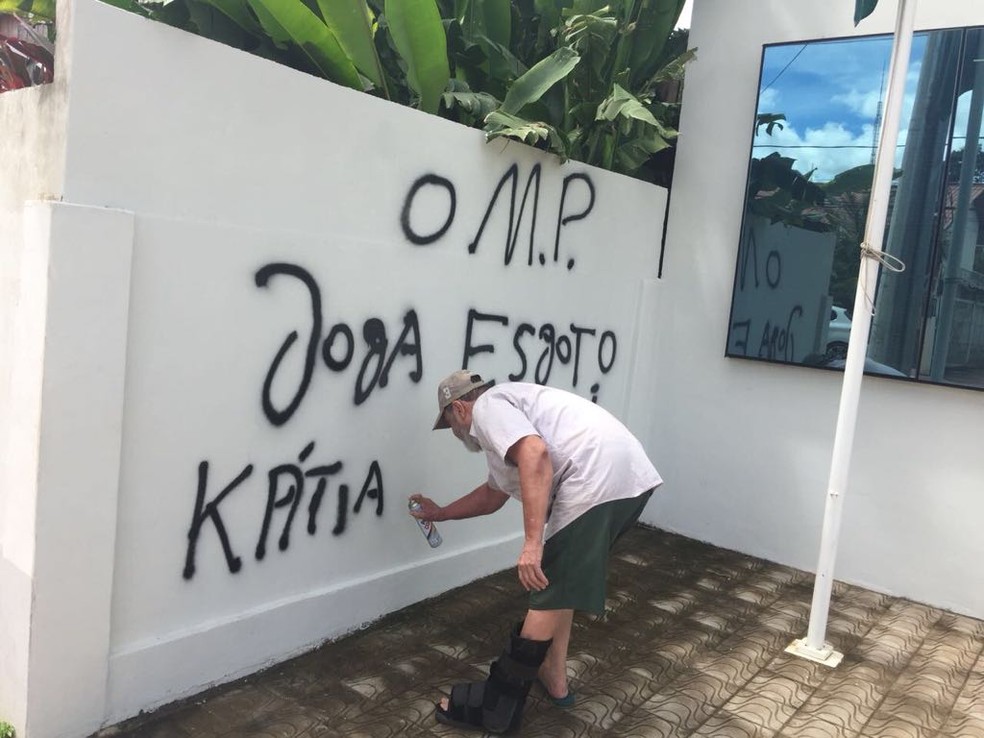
pixel 829 92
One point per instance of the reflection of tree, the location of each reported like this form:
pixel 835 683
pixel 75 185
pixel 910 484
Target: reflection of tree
pixel 779 192
pixel 846 209
pixel 849 218
pixel 956 162
pixel 782 194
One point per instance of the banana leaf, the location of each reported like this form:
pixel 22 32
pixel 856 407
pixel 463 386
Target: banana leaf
pixel 503 64
pixel 489 18
pixel 42 9
pixel 550 11
pixel 534 133
pixel 351 23
pixel 475 106
pixel 633 152
pixel 644 45
pixel 488 23
pixel 131 5
pixel 862 9
pixel 292 20
pixel 541 77
pixel 236 11
pixel 418 33
pixel 623 104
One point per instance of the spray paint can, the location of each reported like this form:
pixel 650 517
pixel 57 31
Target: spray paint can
pixel 427 527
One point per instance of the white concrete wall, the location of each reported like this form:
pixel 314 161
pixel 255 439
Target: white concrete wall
pixel 207 195
pixel 32 149
pixel 746 446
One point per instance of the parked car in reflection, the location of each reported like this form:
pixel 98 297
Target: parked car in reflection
pixel 838 333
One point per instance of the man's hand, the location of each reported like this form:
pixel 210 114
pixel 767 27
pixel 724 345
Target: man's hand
pixel 530 574
pixel 429 510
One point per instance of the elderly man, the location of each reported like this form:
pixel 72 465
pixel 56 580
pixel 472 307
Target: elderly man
pixel 583 480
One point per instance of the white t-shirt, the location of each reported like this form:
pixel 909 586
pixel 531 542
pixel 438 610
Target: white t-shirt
pixel 595 458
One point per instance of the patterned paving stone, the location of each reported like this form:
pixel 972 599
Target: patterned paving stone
pixel 807 673
pixel 885 724
pixel 962 726
pixel 682 711
pixel 691 644
pixel 970 700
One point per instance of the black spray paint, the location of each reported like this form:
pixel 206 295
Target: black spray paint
pixel 572 208
pixel 338 349
pixel 286 487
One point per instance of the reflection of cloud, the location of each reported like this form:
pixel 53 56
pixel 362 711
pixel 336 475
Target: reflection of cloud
pixel 864 104
pixel 830 150
pixel 835 146
pixel 769 100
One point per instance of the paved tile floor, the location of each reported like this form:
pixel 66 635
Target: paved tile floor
pixel 691 644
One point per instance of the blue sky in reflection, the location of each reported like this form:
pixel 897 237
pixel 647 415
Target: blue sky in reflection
pixel 829 92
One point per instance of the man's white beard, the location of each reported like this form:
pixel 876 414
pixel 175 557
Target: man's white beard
pixel 470 443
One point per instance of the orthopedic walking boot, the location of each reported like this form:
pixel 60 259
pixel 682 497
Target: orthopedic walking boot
pixel 496 705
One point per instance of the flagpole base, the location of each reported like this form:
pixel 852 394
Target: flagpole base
pixel 825 655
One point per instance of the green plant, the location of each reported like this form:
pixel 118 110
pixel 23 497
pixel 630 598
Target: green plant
pixel 43 10
pixel 6 729
pixel 600 91
pixel 585 80
pixel 862 9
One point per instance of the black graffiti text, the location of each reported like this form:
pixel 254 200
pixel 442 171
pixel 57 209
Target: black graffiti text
pixel 338 348
pixel 541 350
pixel 290 486
pixel 577 199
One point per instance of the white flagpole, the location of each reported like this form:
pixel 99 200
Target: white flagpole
pixel 814 646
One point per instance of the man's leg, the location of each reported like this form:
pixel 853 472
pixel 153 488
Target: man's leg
pixel 543 625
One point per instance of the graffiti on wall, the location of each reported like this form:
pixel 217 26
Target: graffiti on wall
pixel 384 346
pixel 577 200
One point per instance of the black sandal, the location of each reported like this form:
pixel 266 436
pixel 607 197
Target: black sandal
pixel 496 705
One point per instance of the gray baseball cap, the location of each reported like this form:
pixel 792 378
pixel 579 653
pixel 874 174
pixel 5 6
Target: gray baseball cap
pixel 453 387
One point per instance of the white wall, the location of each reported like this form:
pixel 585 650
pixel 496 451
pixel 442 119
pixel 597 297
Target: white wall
pixel 31 163
pixel 193 173
pixel 745 447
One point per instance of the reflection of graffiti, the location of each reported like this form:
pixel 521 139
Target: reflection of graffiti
pixel 777 342
pixel 778 339
pixel 553 345
pixel 338 348
pixel 285 489
pixel 583 203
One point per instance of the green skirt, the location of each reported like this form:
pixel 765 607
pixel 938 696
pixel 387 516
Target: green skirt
pixel 575 559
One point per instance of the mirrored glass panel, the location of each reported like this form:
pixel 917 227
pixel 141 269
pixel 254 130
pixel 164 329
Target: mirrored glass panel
pixel 818 119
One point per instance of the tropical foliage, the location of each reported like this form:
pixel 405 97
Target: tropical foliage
pixel 603 88
pixel 862 9
pixel 594 80
pixel 41 9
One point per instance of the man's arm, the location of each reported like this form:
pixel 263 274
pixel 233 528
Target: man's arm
pixel 530 455
pixel 483 500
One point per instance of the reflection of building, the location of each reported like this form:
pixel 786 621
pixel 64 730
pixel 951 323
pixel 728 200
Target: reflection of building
pixel 972 248
pixel 965 347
